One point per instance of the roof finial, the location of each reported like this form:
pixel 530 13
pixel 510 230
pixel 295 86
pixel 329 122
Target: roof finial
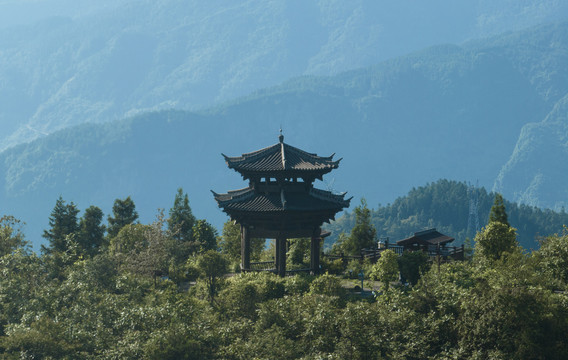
pixel 281 137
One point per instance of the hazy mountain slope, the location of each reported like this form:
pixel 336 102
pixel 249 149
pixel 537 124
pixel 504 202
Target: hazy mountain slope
pixel 540 54
pixel 536 171
pixel 74 62
pixel 445 112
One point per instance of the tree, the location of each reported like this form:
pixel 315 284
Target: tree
pixel 412 264
pixel 154 258
pixel 11 236
pixel 124 213
pixel 62 222
pixel 327 284
pixel 298 250
pixel 363 234
pixel 498 212
pixel 553 256
pixel 386 268
pixel 495 239
pixel 212 266
pixel 91 231
pixel 230 242
pixel 181 220
pixel 130 239
pixel 204 235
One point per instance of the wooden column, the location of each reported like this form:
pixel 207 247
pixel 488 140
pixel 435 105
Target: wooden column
pixel 281 256
pixel 315 252
pixel 245 248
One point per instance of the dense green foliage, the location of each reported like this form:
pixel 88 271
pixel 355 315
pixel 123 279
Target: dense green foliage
pixel 412 264
pixel 113 306
pixel 444 205
pixel 11 235
pixel 386 269
pixel 494 240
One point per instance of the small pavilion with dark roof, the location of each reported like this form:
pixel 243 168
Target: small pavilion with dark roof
pixel 430 237
pixel 281 202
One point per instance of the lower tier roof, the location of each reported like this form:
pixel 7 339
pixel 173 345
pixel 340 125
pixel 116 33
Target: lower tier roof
pixel 281 210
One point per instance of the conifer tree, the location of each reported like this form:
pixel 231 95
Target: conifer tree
pixel 124 213
pixel 498 236
pixel 181 220
pixel 91 231
pixel 363 234
pixel 204 235
pixel 498 212
pixel 494 240
pixel 62 222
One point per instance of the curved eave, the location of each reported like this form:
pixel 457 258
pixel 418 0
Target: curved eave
pixel 232 196
pixel 288 173
pixel 281 158
pixel 247 200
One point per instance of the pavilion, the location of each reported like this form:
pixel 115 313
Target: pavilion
pixel 281 202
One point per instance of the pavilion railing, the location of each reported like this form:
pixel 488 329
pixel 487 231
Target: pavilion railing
pixel 444 252
pixel 269 266
pixel 261 266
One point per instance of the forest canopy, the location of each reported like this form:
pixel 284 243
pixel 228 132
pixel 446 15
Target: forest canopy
pixel 160 291
pixel 445 205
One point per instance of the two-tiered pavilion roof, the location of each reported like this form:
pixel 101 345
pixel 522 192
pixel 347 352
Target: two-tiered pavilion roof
pixel 280 197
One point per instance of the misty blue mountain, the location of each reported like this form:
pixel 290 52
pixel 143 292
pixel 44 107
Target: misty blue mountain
pixel 66 62
pixel 469 112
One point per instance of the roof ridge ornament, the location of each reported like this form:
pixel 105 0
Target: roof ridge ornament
pixel 282 153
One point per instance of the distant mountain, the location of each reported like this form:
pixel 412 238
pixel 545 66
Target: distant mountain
pixel 536 171
pixel 64 62
pixel 445 112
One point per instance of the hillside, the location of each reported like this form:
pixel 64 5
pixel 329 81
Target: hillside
pixel 445 205
pixel 444 112
pixel 72 62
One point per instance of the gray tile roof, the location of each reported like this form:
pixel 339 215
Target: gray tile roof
pixel 426 237
pixel 279 158
pixel 248 200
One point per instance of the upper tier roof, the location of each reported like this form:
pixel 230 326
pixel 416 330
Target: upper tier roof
pixel 283 159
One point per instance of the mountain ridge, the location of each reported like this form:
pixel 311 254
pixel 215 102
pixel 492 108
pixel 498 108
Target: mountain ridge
pixel 83 62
